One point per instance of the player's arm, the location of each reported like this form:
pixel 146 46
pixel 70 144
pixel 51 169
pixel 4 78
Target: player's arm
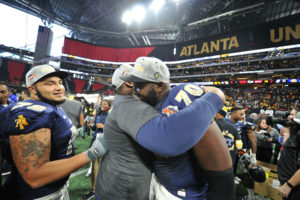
pixel 287 187
pixel 252 139
pixel 31 155
pixel 175 134
pixel 81 119
pixel 214 158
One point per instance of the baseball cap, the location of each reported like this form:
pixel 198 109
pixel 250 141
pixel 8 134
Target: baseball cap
pixel 148 69
pixel 119 72
pixel 38 72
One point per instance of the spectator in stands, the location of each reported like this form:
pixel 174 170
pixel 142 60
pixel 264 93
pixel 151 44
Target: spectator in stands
pixel 267 138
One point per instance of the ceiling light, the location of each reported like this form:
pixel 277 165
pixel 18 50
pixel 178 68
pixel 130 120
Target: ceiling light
pixel 138 12
pixel 156 5
pixel 127 17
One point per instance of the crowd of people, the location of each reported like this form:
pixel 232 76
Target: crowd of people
pixel 149 142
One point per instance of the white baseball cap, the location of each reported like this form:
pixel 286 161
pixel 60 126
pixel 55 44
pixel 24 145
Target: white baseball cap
pixel 38 72
pixel 148 69
pixel 123 70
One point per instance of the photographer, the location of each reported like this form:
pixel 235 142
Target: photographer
pixel 266 137
pixel 289 162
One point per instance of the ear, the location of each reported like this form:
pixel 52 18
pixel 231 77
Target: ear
pixel 32 90
pixel 129 84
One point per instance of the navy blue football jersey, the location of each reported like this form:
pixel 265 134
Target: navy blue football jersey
pixel 242 127
pixel 181 175
pixel 27 116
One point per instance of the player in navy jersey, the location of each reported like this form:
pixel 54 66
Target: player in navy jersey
pixel 248 137
pixel 181 177
pixel 40 137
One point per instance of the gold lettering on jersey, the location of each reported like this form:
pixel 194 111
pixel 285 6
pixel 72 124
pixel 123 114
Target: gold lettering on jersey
pixel 285 33
pixel 210 46
pixel 229 139
pixel 36 108
pixel 21 104
pixel 21 122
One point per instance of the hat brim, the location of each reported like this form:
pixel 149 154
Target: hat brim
pixel 132 78
pixel 60 74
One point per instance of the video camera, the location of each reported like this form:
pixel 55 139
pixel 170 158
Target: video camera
pixel 281 117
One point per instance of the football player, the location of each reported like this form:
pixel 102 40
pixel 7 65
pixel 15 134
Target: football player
pixel 40 137
pixel 181 176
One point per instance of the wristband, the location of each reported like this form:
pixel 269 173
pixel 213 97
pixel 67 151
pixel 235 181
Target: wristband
pixel 289 184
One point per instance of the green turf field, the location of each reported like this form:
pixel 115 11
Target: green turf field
pixel 80 185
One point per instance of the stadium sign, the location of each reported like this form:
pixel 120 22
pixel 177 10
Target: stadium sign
pixel 274 34
pixel 210 47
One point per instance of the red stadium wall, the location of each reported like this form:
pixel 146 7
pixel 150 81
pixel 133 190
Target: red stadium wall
pixel 77 48
pixel 16 70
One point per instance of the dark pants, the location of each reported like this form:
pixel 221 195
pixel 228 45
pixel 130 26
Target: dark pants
pixel 264 154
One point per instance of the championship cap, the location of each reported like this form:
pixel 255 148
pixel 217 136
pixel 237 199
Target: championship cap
pixel 38 72
pixel 119 72
pixel 148 69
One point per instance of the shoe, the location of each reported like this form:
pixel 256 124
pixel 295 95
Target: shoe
pixel 88 196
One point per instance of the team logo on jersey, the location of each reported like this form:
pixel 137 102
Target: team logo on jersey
pixel 169 110
pixel 21 122
pixel 229 139
pixel 156 75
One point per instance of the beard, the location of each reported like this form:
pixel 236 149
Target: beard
pixel 151 98
pixel 44 99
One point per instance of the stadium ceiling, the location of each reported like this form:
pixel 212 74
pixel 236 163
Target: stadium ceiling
pixel 99 21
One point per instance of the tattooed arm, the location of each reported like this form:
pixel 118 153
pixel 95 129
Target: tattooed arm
pixel 31 155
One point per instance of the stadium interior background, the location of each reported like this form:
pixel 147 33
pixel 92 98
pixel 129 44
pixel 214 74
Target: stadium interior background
pixel 250 49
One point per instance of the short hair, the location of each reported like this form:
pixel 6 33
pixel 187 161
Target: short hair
pixel 234 109
pixel 6 85
pixel 26 91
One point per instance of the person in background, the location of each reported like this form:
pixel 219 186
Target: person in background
pixel 230 133
pixel 4 94
pixel 74 111
pixel 246 130
pixel 288 166
pixel 266 137
pixel 39 135
pixel 25 94
pixel 97 127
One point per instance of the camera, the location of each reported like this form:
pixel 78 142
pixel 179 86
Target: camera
pixel 281 117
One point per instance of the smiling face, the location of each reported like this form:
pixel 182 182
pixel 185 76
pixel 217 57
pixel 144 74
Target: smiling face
pixel 263 124
pixel 50 90
pixel 105 106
